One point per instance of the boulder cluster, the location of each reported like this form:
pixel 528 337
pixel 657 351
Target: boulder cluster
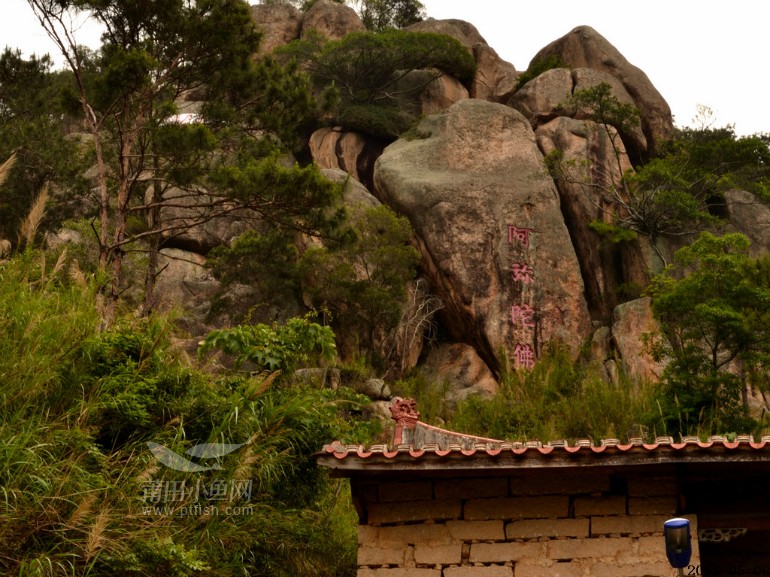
pixel 507 249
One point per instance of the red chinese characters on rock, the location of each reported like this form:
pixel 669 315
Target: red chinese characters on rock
pixel 519 234
pixel 525 356
pixel 523 272
pixel 522 315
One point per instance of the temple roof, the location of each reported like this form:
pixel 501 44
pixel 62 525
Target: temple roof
pixel 417 446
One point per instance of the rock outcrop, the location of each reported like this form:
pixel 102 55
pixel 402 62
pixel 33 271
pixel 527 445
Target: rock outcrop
pixel 279 24
pixel 610 271
pixel 495 78
pixel 352 152
pixel 633 322
pixel 751 216
pixel 583 47
pixel 487 219
pixel 459 370
pixel 331 20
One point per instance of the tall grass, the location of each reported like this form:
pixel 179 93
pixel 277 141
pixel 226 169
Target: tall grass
pixel 558 399
pixel 77 407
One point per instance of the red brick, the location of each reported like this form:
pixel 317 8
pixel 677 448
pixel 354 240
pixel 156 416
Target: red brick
pixel 610 505
pixel 477 530
pixel 516 508
pixel 534 528
pixel 472 488
pixel 438 554
pixel 505 552
pixel 380 513
pixel 418 491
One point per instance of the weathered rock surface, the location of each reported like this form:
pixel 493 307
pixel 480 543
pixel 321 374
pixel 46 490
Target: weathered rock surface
pixel 192 224
pixel 609 270
pixel 546 97
pixel 750 216
pixel 351 152
pixel 441 93
pixel 540 100
pixel 495 78
pixel 464 32
pixel 472 172
pixel 583 47
pixel 632 321
pixel 278 23
pixel 185 283
pixel 459 368
pixel 331 20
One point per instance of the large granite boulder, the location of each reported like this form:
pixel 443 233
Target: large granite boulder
pixel 331 20
pixel 583 47
pixel 751 216
pixel 464 32
pixel 542 99
pixel 495 78
pixel 459 371
pixel 279 24
pixel 352 152
pixel 199 222
pixel 612 272
pixel 631 330
pixel 489 226
pixel 546 97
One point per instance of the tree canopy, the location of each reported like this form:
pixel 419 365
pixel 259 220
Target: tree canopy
pixel 154 55
pixel 377 75
pixel 713 307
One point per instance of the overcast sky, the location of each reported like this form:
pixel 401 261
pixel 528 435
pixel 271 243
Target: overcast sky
pixel 694 51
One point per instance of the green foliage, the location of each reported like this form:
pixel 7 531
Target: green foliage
pixel 537 67
pixel 381 121
pixel 31 126
pixel 368 69
pixel 714 312
pixel 561 399
pixel 674 194
pixel 154 55
pixel 274 348
pixel 273 275
pixel 379 15
pixel 362 282
pixel 714 160
pixel 77 407
pixel 604 108
pixel 612 232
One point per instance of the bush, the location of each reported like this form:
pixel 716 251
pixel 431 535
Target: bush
pixel 537 67
pixel 77 409
pixel 561 399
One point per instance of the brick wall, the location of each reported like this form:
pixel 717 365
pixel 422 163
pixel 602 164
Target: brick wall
pixel 560 525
